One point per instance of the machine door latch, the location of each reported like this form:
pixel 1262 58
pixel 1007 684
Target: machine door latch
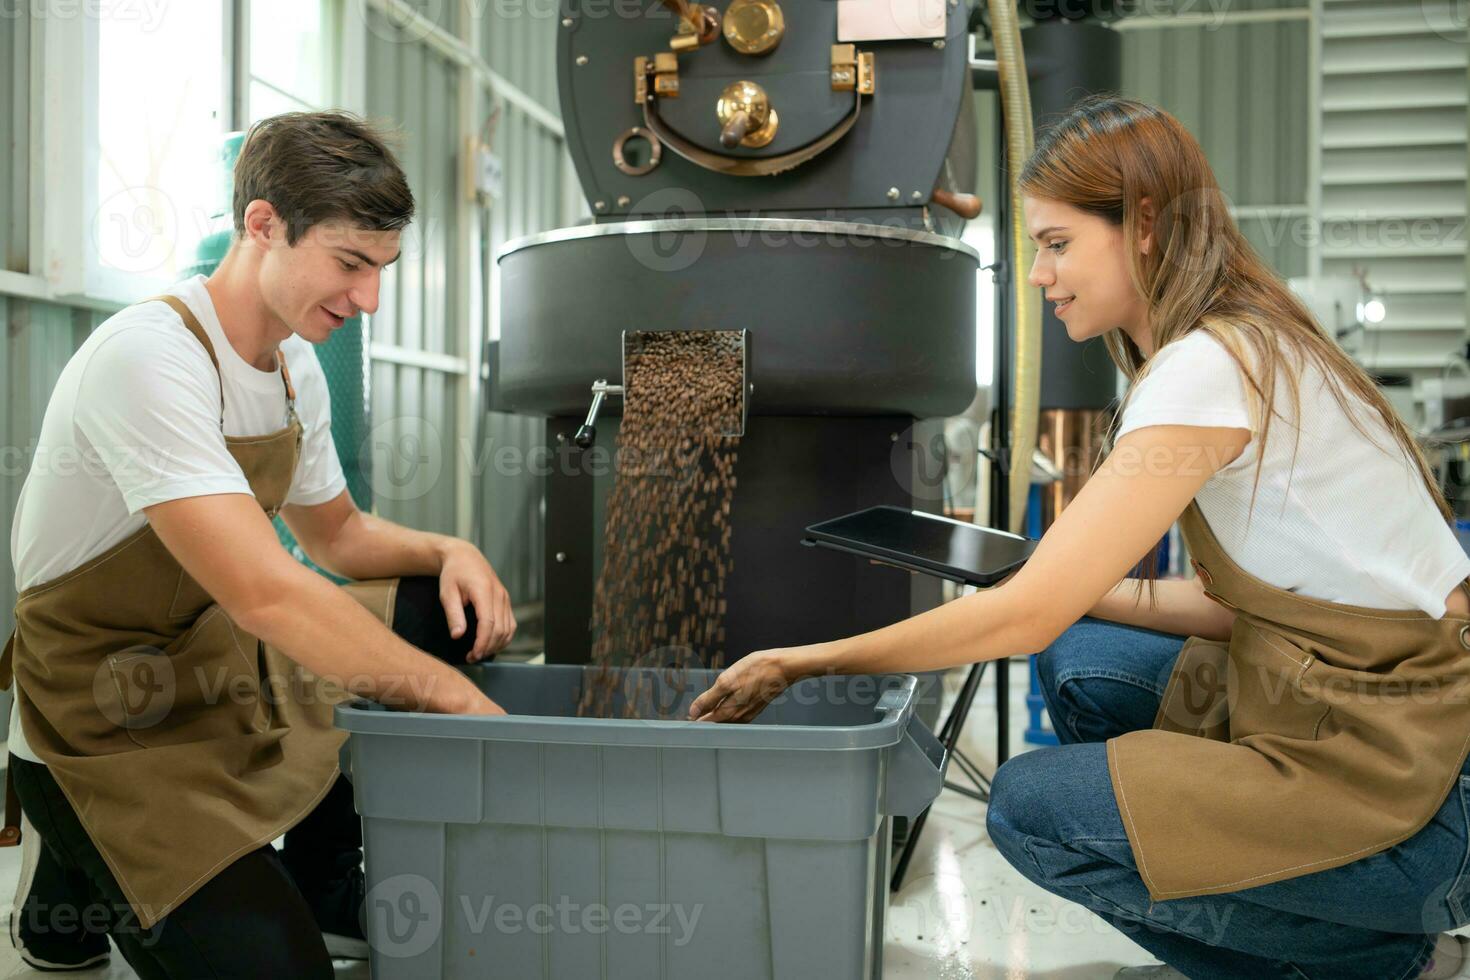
pixel 587 434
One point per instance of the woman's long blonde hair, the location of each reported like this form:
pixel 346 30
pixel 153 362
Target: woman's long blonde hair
pixel 1108 154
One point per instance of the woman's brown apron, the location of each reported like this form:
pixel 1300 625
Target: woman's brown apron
pixel 182 741
pixel 1321 733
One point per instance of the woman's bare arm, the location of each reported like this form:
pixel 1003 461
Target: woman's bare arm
pixel 1123 510
pixel 1181 608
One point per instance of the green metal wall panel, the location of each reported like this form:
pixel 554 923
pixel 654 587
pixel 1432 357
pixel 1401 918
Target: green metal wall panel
pixel 1280 239
pixel 1242 90
pixel 15 150
pixel 517 40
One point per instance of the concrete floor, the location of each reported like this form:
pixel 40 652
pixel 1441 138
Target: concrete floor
pixel 965 914
pixel 962 915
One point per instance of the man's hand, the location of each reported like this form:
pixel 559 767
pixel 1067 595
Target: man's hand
pixel 344 540
pixel 744 689
pixel 466 578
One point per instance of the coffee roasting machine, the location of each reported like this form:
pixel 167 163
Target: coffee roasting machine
pixel 749 170
pixel 799 170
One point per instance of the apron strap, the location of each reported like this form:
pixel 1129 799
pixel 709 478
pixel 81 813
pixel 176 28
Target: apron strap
pixel 286 380
pixel 192 324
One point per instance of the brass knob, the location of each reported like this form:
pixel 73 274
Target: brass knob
pixel 754 26
pixel 746 116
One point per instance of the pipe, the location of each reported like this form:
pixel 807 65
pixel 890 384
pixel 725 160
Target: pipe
pixel 1015 98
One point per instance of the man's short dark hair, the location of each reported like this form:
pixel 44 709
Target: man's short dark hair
pixel 322 166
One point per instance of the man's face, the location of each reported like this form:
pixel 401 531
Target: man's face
pixel 329 276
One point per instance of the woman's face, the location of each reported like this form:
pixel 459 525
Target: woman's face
pixel 1083 270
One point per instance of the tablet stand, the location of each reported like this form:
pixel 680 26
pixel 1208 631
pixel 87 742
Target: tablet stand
pixel 949 736
pixel 954 722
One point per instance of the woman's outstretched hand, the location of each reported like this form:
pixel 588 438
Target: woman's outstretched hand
pixel 743 690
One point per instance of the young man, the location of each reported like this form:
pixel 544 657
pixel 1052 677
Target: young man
pixel 174 667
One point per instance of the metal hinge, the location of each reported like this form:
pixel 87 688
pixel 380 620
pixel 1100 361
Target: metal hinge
pixel 852 69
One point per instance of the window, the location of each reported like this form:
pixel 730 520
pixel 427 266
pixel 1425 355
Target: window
pixel 293 60
pixel 160 99
pixel 980 235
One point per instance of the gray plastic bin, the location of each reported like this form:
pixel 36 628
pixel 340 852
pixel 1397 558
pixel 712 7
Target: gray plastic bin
pixel 542 845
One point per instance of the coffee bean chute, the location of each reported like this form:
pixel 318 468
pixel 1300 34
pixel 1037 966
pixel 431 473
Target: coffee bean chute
pixel 601 389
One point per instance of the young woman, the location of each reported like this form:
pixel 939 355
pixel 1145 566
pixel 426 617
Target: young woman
pixel 1284 793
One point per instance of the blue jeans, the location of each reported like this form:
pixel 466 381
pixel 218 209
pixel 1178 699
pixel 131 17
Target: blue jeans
pixel 1053 816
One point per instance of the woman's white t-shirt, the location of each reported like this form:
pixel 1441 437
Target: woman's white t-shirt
pixel 1349 521
pixel 134 420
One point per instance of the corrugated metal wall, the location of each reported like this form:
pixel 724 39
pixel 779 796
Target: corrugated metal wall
pixel 415 416
pixel 537 168
pixel 1242 90
pixel 1393 172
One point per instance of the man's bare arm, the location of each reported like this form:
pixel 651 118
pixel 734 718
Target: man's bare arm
pixel 356 545
pixel 342 539
pixel 226 543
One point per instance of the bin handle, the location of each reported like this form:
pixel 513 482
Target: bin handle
pixel 915 771
pixel 893 700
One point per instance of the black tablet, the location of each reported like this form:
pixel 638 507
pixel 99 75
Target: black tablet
pixel 925 543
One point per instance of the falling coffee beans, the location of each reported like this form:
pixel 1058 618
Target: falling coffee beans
pixel 659 601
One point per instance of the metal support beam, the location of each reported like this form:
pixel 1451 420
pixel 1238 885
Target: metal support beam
pixel 466 231
pixel 427 360
pixel 1144 22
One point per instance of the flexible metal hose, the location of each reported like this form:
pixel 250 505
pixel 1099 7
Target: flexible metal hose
pixel 1015 94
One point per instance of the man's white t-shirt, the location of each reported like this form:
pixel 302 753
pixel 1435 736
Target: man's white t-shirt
pixel 134 420
pixel 1349 521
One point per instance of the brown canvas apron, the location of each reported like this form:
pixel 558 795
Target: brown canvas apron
pixel 1320 733
pixel 182 741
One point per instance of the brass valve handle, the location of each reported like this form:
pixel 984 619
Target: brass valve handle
pixel 746 116
pixel 683 9
pixel 735 130
pixel 696 22
pixel 709 25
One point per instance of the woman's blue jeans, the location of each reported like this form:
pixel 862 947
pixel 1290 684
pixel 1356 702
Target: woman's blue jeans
pixel 1053 817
